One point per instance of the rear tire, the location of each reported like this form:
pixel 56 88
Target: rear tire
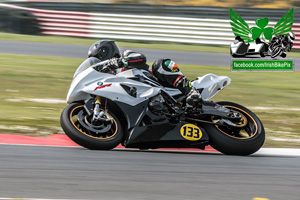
pixel 86 138
pixel 230 144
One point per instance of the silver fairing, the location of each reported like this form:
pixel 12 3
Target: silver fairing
pixel 210 85
pixel 91 82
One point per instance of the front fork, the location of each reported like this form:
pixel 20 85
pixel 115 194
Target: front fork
pixel 97 112
pixel 100 114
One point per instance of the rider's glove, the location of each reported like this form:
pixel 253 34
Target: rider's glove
pixel 123 62
pixel 113 63
pixel 110 66
pixel 118 63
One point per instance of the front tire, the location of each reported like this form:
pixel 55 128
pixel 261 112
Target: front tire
pixel 246 141
pixel 276 51
pixel 77 131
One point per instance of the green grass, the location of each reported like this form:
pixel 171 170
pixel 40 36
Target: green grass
pixel 50 77
pixel 34 77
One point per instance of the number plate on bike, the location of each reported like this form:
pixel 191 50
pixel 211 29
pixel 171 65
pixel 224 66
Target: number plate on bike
pixel 191 132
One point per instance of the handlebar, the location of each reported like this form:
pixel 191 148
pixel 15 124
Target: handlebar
pixel 110 65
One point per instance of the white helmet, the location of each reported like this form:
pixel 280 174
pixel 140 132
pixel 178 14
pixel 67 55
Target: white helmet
pixel 291 36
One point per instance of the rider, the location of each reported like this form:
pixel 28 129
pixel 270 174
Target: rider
pixel 285 40
pixel 166 70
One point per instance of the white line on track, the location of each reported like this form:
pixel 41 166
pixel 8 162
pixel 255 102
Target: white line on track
pixel 278 152
pixel 51 101
pixel 284 139
pixel 274 108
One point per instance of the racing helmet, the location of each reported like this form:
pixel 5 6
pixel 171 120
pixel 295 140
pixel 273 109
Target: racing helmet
pixel 104 50
pixel 291 36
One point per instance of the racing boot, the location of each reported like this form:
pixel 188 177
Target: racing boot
pixel 185 86
pixel 193 98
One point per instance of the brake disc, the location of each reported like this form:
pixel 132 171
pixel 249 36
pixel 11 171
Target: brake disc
pixel 81 120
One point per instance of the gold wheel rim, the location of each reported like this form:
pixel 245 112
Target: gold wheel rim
pixel 243 112
pixel 105 138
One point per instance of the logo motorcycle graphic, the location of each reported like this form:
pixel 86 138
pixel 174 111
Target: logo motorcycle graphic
pixel 242 29
pixel 102 86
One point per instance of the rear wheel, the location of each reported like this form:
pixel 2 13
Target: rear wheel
pixel 245 138
pixel 77 125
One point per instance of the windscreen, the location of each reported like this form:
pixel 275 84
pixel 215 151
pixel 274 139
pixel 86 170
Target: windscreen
pixel 86 64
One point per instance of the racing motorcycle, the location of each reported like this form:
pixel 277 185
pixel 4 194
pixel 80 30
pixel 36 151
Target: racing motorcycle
pixel 279 49
pixel 134 109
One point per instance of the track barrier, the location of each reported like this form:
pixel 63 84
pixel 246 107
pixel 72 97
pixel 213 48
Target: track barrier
pixel 129 27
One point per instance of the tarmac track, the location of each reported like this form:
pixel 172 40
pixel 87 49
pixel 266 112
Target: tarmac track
pixel 80 51
pixel 77 173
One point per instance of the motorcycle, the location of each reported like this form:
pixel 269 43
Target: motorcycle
pixel 240 49
pixel 279 49
pixel 134 109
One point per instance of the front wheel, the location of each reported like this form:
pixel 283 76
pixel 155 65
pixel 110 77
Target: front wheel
pixel 246 138
pixel 276 51
pixel 77 125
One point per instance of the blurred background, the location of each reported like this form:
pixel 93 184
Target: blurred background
pixel 43 42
